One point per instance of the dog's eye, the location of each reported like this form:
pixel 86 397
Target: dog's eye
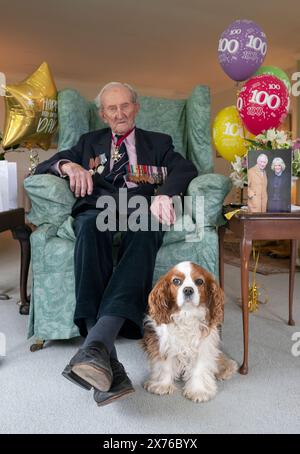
pixel 177 281
pixel 199 281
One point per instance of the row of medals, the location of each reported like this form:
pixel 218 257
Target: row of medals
pixel 116 156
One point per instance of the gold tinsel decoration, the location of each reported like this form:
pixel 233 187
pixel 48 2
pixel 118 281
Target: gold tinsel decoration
pixel 34 161
pixel 254 293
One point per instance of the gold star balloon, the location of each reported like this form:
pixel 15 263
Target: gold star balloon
pixel 31 111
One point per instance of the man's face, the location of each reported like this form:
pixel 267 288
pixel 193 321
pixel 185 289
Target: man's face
pixel 262 162
pixel 118 110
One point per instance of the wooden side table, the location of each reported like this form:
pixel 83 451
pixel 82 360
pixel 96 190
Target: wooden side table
pixel 260 226
pixel 14 220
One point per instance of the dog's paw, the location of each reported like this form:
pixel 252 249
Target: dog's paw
pixel 159 388
pixel 227 368
pixel 199 395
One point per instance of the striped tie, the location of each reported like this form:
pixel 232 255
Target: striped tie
pixel 116 175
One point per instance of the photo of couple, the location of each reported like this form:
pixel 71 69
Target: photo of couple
pixel 269 181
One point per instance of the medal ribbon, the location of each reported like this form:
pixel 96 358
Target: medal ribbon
pixel 120 139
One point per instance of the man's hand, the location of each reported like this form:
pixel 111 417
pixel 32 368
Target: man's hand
pixel 81 181
pixel 162 208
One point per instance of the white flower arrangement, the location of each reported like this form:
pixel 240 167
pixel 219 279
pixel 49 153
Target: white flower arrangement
pixel 272 139
pixel 239 174
pixel 296 158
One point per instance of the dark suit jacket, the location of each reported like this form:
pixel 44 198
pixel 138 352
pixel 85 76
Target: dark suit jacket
pixel 152 148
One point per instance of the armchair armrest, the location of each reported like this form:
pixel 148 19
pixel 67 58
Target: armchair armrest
pixel 214 188
pixel 51 199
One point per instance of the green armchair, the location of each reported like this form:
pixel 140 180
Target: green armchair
pixel 52 243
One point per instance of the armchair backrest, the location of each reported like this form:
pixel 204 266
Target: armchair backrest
pixel 187 121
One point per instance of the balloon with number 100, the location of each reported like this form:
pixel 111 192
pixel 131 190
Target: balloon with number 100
pixel 263 103
pixel 242 49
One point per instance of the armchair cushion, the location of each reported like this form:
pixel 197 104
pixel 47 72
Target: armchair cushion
pixel 53 291
pixel 76 116
pixel 164 115
pixel 198 129
pixel 214 188
pixel 66 230
pixel 79 117
pixel 51 199
pixel 204 214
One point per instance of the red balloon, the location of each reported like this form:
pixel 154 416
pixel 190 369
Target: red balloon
pixel 263 103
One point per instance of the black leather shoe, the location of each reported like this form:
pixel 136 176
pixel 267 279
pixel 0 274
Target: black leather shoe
pixel 92 365
pixel 67 373
pixel 121 386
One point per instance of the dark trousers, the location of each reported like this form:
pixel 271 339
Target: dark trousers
pixel 101 289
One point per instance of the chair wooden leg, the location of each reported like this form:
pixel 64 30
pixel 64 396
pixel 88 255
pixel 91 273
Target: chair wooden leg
pixel 38 345
pixel 24 309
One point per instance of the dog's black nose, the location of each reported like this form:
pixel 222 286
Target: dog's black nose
pixel 188 291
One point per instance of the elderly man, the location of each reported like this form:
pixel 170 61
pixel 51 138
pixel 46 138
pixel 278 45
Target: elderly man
pixel 111 302
pixel 257 186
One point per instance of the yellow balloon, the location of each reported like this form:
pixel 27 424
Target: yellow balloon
pixel 31 111
pixel 229 134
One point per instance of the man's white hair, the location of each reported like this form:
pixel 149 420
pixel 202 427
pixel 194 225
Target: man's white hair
pixel 98 99
pixel 278 161
pixel 264 156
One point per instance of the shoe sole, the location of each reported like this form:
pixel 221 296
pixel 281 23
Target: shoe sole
pixel 96 377
pixel 67 373
pixel 116 397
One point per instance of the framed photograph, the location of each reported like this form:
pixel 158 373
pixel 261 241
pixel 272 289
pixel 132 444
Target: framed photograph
pixel 269 181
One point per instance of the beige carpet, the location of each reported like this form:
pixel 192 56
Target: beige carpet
pixel 35 398
pixel 266 263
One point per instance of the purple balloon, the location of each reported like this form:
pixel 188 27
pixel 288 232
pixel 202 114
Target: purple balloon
pixel 242 49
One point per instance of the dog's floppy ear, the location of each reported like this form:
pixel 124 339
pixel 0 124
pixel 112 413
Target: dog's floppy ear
pixel 215 303
pixel 161 302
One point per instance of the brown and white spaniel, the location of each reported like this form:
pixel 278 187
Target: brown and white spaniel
pixel 181 334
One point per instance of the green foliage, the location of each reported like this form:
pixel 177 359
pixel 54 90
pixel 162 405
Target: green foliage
pixel 296 164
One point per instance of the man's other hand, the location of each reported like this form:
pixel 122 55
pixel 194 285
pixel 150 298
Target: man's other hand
pixel 81 182
pixel 162 208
